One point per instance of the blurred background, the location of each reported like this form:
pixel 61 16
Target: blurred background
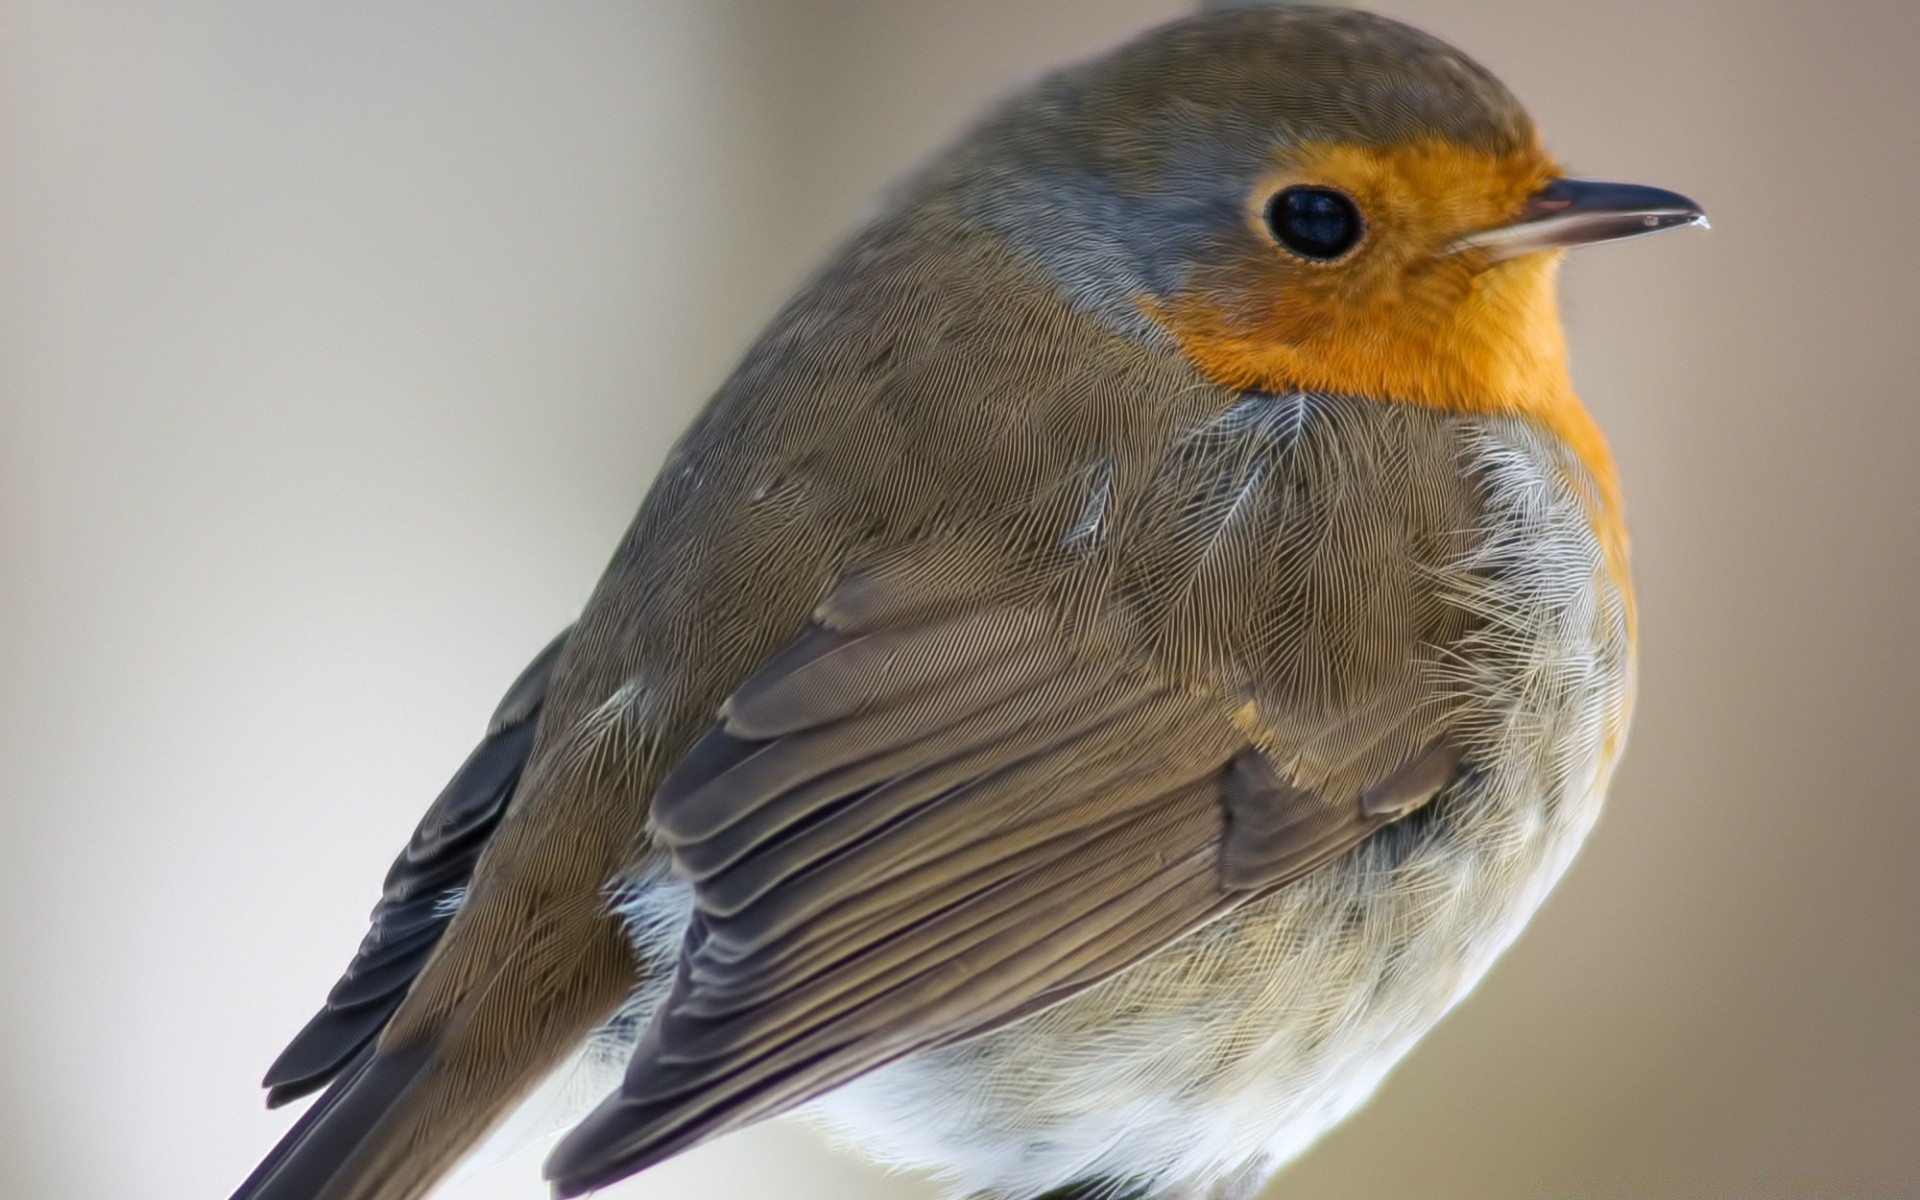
pixel 340 338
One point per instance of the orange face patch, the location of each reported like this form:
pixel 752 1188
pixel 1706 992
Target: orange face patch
pixel 1401 317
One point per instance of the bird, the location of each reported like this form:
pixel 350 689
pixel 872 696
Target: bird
pixel 1119 658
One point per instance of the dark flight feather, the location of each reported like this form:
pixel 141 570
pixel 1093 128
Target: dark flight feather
pixel 420 895
pixel 324 1139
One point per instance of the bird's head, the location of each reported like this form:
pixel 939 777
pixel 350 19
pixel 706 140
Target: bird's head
pixel 1303 198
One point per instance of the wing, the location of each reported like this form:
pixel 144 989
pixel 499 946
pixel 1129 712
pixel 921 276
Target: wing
pixel 906 835
pixel 421 893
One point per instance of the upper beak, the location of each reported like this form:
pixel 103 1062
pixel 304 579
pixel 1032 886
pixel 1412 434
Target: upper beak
pixel 1576 212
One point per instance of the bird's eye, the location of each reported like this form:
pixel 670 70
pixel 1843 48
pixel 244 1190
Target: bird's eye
pixel 1315 222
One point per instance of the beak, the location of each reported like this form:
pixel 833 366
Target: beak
pixel 1577 212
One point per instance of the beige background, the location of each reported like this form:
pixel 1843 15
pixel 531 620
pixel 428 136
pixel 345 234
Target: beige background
pixel 340 338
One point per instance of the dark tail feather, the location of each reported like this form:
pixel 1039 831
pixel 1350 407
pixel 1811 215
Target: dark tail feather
pixel 420 894
pixel 325 1138
pixel 412 1103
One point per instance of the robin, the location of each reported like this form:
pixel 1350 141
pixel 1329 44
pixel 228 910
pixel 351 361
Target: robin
pixel 1115 663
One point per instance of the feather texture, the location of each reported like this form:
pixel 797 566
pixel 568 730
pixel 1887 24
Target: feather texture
pixel 901 836
pixel 421 894
pixel 1074 766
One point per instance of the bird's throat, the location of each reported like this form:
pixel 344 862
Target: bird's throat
pixel 1487 343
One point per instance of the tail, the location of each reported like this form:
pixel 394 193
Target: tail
pixel 411 1105
pixel 325 1136
pixel 433 1037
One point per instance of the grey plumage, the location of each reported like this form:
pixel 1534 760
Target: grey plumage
pixel 1228 5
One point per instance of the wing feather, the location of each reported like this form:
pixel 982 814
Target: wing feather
pixel 420 894
pixel 903 836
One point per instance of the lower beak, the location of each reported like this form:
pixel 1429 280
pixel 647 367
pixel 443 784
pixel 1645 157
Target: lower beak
pixel 1578 212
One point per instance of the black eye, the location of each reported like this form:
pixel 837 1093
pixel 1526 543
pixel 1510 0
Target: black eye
pixel 1314 222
